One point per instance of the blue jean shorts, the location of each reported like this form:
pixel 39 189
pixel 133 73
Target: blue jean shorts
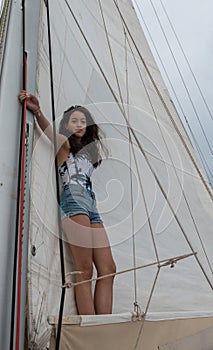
pixel 76 199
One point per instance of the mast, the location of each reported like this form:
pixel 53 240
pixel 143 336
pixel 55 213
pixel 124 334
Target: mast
pixel 10 123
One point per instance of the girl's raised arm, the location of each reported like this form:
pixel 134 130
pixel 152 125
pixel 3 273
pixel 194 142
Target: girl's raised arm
pixel 46 127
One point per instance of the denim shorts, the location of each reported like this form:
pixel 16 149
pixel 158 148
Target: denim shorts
pixel 76 199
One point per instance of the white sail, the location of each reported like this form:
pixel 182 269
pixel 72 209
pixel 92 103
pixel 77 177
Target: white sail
pixel 152 194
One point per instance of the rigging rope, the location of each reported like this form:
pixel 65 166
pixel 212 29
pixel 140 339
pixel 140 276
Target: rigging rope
pixel 202 157
pixel 148 218
pixel 187 61
pixel 137 308
pixel 136 305
pixel 161 263
pixel 130 143
pixel 182 79
pixel 57 182
pixel 147 307
pixel 131 148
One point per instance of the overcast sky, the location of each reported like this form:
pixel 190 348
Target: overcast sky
pixel 193 24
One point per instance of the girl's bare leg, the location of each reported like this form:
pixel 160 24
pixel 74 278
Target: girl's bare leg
pixel 79 237
pixel 103 260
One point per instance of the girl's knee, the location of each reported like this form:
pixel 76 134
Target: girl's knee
pixel 86 270
pixel 108 269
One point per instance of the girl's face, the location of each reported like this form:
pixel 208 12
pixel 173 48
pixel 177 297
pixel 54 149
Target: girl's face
pixel 77 124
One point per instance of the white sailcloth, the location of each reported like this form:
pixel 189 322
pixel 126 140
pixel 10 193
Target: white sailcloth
pixel 131 185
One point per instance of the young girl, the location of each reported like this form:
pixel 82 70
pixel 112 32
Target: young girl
pixel 78 154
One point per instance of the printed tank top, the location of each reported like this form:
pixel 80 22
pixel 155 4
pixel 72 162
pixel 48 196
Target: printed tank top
pixel 77 170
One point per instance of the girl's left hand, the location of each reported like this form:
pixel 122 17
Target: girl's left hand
pixel 31 100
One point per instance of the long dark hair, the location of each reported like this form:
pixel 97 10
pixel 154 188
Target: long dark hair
pixel 91 142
